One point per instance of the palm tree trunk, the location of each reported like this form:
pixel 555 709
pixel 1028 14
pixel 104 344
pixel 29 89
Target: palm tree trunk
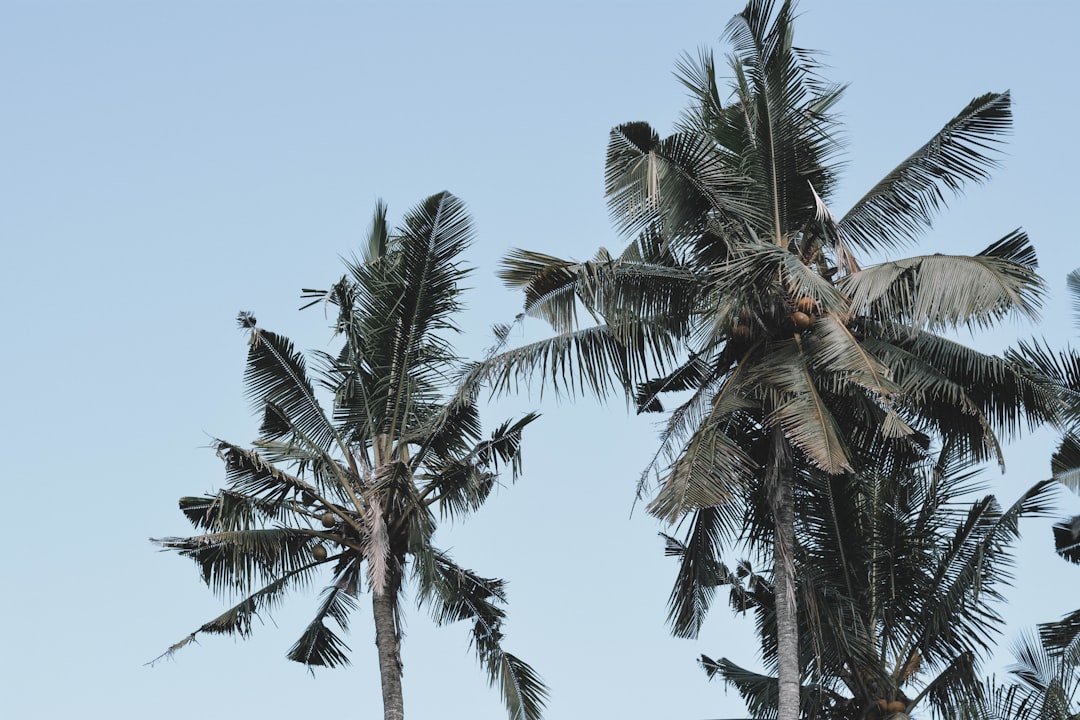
pixel 388 642
pixel 782 501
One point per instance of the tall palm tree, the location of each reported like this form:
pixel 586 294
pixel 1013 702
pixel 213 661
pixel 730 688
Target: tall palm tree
pixel 355 490
pixel 899 575
pixel 742 293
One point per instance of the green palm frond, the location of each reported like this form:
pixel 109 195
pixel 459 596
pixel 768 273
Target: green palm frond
pixel 700 570
pixel 1047 679
pixel 237 620
pixel 319 645
pixel 1065 462
pixel 523 691
pixel 955 686
pixel 758 691
pixel 234 561
pixel 623 291
pixel 946 291
pixel 785 108
pixel 459 484
pixel 278 383
pixel 686 376
pixel 975 561
pixel 800 410
pixel 680 179
pixel 228 510
pixel 456 594
pixel 590 360
pixel 905 201
pixel 1063 633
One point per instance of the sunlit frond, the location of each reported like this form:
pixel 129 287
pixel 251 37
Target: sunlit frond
pixel 937 292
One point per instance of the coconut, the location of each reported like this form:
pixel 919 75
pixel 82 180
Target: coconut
pixel 801 320
pixel 319 552
pixel 328 520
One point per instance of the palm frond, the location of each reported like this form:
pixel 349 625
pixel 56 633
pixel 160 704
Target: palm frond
pixel 700 571
pixel 677 180
pixel 238 619
pixel 623 291
pixel 587 361
pixel 937 292
pixel 319 645
pixel 278 383
pixel 456 594
pixel 711 471
pixel 800 410
pixel 235 560
pixel 906 200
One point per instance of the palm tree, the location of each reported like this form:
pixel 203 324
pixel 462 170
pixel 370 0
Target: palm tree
pixel 899 575
pixel 355 490
pixel 741 292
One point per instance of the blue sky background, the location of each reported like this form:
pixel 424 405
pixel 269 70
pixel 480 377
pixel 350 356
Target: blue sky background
pixel 164 165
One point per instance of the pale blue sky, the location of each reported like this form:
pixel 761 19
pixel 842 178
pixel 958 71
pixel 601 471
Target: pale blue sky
pixel 165 164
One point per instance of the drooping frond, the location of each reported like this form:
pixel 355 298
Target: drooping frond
pixel 237 620
pixel 904 202
pixel 235 561
pixel 800 410
pixel 700 571
pixel 757 690
pixel 455 594
pixel 1065 462
pixel 936 292
pixel 319 645
pixel 711 471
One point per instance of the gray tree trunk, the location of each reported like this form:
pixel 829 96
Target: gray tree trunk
pixel 782 504
pixel 388 642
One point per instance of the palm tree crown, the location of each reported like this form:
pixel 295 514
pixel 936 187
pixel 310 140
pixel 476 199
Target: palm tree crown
pixel 355 490
pixel 741 292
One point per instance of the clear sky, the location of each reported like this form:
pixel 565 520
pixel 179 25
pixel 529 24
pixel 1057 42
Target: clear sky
pixel 164 165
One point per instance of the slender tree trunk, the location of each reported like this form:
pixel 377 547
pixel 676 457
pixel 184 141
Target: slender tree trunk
pixel 782 502
pixel 388 642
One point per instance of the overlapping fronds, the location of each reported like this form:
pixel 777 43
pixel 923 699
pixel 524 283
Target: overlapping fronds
pixel 680 180
pixel 796 406
pixel 460 483
pixel 903 204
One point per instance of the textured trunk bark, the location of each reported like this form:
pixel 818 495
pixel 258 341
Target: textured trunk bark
pixel 388 642
pixel 782 501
